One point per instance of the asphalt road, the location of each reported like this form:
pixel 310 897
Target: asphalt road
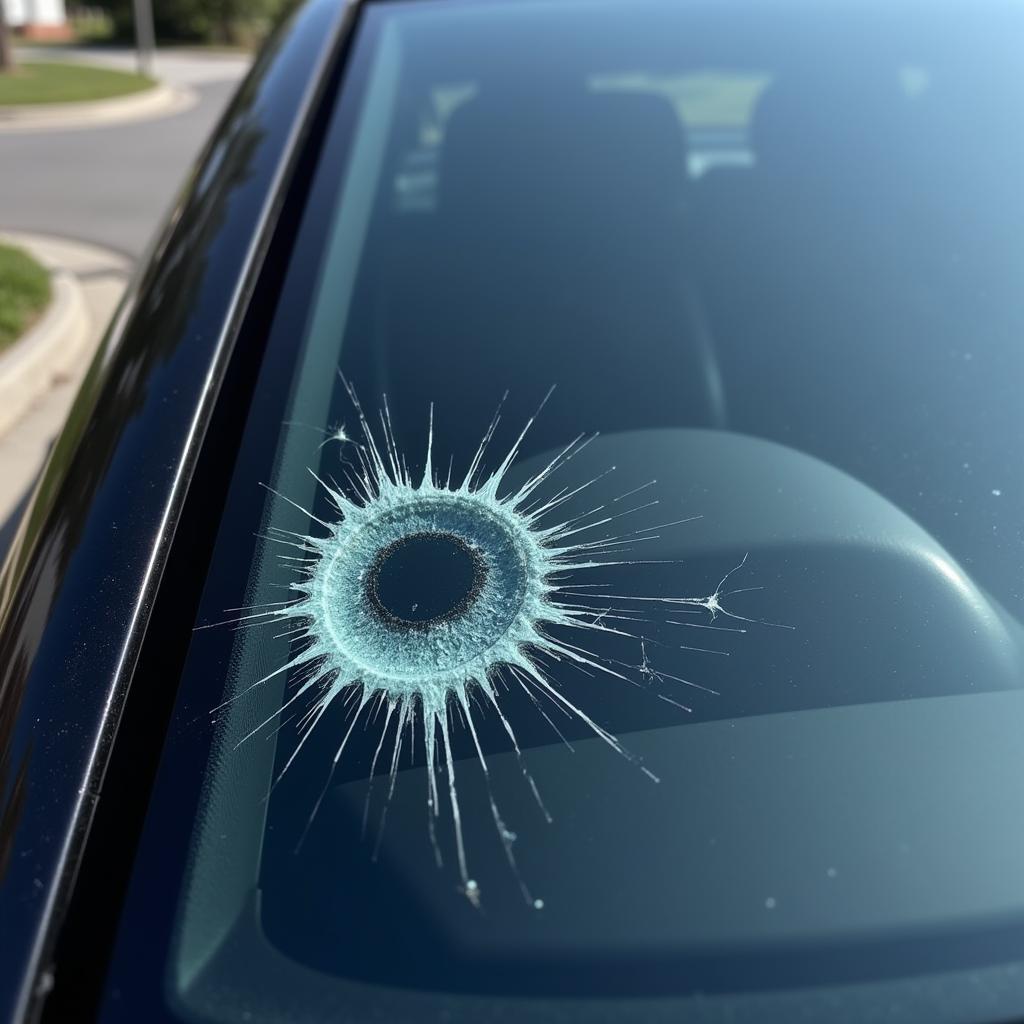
pixel 112 185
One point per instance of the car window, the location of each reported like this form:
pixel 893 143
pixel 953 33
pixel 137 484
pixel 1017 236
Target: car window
pixel 714 108
pixel 631 612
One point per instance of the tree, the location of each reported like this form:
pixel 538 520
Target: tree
pixel 210 21
pixel 6 50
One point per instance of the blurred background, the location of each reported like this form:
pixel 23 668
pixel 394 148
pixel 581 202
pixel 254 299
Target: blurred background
pixel 103 110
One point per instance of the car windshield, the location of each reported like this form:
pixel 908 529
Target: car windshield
pixel 630 622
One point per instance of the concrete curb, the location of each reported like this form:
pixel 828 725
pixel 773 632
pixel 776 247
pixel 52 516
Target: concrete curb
pixel 41 373
pixel 48 351
pixel 160 101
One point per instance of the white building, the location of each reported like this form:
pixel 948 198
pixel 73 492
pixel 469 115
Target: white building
pixel 37 19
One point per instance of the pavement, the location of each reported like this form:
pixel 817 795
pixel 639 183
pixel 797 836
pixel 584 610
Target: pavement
pixel 88 201
pixel 112 184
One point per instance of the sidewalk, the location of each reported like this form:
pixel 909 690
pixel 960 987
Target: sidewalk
pixel 101 276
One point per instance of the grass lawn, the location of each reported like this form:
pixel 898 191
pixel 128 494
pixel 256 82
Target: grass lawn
pixel 43 82
pixel 24 292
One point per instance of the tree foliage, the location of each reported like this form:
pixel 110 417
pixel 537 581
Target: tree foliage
pixel 227 22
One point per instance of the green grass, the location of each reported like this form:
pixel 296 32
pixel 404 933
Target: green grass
pixel 24 293
pixel 42 82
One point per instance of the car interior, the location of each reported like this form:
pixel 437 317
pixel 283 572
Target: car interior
pixel 834 260
pixel 796 315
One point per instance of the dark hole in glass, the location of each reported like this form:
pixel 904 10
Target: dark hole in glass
pixel 425 579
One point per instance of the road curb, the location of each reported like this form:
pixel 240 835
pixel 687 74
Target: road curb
pixel 159 101
pixel 41 373
pixel 46 352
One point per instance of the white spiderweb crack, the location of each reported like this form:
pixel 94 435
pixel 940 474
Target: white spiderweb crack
pixel 421 679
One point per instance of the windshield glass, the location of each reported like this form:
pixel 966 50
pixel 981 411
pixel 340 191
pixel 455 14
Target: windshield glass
pixel 633 608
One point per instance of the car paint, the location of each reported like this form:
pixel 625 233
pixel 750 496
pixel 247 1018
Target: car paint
pixel 84 569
